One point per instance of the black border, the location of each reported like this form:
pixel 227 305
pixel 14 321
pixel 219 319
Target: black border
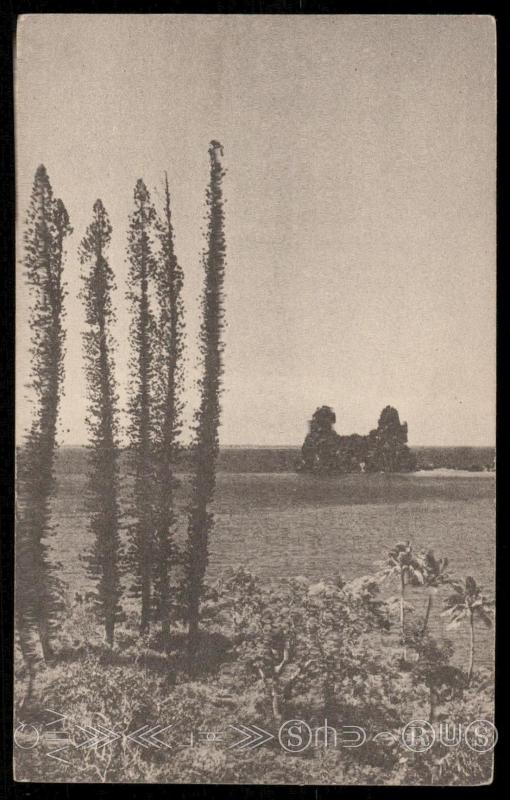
pixel 9 12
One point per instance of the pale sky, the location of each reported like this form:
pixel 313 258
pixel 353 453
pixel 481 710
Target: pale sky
pixel 361 157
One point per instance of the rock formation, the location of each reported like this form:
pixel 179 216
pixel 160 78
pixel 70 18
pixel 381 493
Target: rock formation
pixel 384 449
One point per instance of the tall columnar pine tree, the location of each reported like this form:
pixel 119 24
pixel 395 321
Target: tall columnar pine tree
pixel 208 415
pixel 142 271
pixel 169 377
pixel 37 595
pixel 98 284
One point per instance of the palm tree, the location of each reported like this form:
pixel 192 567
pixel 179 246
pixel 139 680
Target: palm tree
pixel 408 568
pixel 434 575
pixel 468 602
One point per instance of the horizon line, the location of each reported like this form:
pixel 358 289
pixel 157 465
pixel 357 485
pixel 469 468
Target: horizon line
pixel 275 446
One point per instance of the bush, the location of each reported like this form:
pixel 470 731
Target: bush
pixel 269 653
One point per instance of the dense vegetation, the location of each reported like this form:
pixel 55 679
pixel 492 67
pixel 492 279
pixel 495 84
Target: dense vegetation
pixel 385 449
pixel 326 653
pixel 156 340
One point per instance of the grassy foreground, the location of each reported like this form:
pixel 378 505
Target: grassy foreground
pixel 269 654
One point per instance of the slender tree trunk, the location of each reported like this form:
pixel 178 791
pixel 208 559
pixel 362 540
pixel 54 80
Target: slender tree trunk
pixel 46 644
pixel 163 533
pixel 145 618
pixel 402 619
pixel 194 590
pixel 471 648
pixel 433 703
pixel 109 630
pixel 28 643
pixel 329 694
pixel 44 577
pixel 165 522
pixel 110 589
pixel 427 615
pixel 276 702
pixel 165 631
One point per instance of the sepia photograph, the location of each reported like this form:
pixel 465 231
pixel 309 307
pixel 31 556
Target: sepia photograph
pixel 255 399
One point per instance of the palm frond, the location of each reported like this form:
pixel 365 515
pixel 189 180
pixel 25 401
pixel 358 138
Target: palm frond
pixel 486 618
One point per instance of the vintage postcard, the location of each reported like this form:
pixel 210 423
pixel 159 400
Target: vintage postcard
pixel 255 416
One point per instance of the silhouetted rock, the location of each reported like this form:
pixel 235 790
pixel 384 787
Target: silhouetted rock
pixel 384 449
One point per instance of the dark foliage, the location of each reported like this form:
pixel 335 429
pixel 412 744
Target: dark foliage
pixel 37 590
pixel 387 445
pixel 208 416
pixel 170 333
pixel 103 560
pixel 142 271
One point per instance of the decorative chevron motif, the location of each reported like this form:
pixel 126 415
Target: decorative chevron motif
pixel 52 753
pixel 147 736
pixel 55 737
pixel 253 737
pixel 98 737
